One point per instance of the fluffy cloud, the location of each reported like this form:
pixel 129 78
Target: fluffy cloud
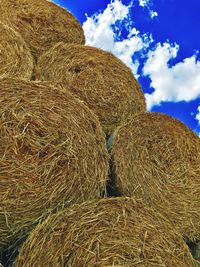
pixel 179 82
pixel 104 29
pixel 148 4
pixel 153 14
pixel 144 3
pixel 198 115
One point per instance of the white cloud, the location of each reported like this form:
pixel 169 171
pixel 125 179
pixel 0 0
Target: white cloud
pixel 153 14
pixel 180 82
pixel 144 3
pixel 148 4
pixel 198 115
pixel 103 30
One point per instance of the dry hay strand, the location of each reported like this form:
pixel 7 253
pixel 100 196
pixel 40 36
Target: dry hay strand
pixel 53 154
pixel 156 158
pixel 103 81
pixel 109 232
pixel 15 58
pixel 41 23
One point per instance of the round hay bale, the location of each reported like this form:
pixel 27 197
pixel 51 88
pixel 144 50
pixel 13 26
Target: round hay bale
pixel 15 58
pixel 103 81
pixel 41 23
pixel 109 232
pixel 53 154
pixel 156 158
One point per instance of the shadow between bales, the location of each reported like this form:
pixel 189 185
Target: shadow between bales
pixel 111 189
pixel 194 247
pixel 9 252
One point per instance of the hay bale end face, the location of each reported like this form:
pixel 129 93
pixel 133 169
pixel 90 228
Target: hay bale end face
pixel 109 232
pixel 41 23
pixel 103 81
pixel 15 58
pixel 53 154
pixel 156 158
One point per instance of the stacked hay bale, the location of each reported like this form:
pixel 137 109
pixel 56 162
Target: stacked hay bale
pixel 109 232
pixel 105 84
pixel 53 150
pixel 156 158
pixel 15 58
pixel 53 154
pixel 41 23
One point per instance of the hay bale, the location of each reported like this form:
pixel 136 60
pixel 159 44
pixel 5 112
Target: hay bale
pixel 99 78
pixel 41 23
pixel 109 232
pixel 15 57
pixel 156 158
pixel 53 154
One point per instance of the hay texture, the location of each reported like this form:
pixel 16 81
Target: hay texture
pixel 41 23
pixel 53 153
pixel 110 232
pixel 15 58
pixel 103 81
pixel 156 158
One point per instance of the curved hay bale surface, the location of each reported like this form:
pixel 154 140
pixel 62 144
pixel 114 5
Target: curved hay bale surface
pixel 156 157
pixel 109 232
pixel 103 81
pixel 41 23
pixel 53 154
pixel 15 58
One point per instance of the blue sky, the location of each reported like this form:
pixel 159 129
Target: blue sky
pixel 159 40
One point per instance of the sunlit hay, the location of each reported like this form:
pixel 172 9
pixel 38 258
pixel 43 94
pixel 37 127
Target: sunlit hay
pixel 109 232
pixel 156 158
pixel 41 23
pixel 15 57
pixel 53 154
pixel 99 78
